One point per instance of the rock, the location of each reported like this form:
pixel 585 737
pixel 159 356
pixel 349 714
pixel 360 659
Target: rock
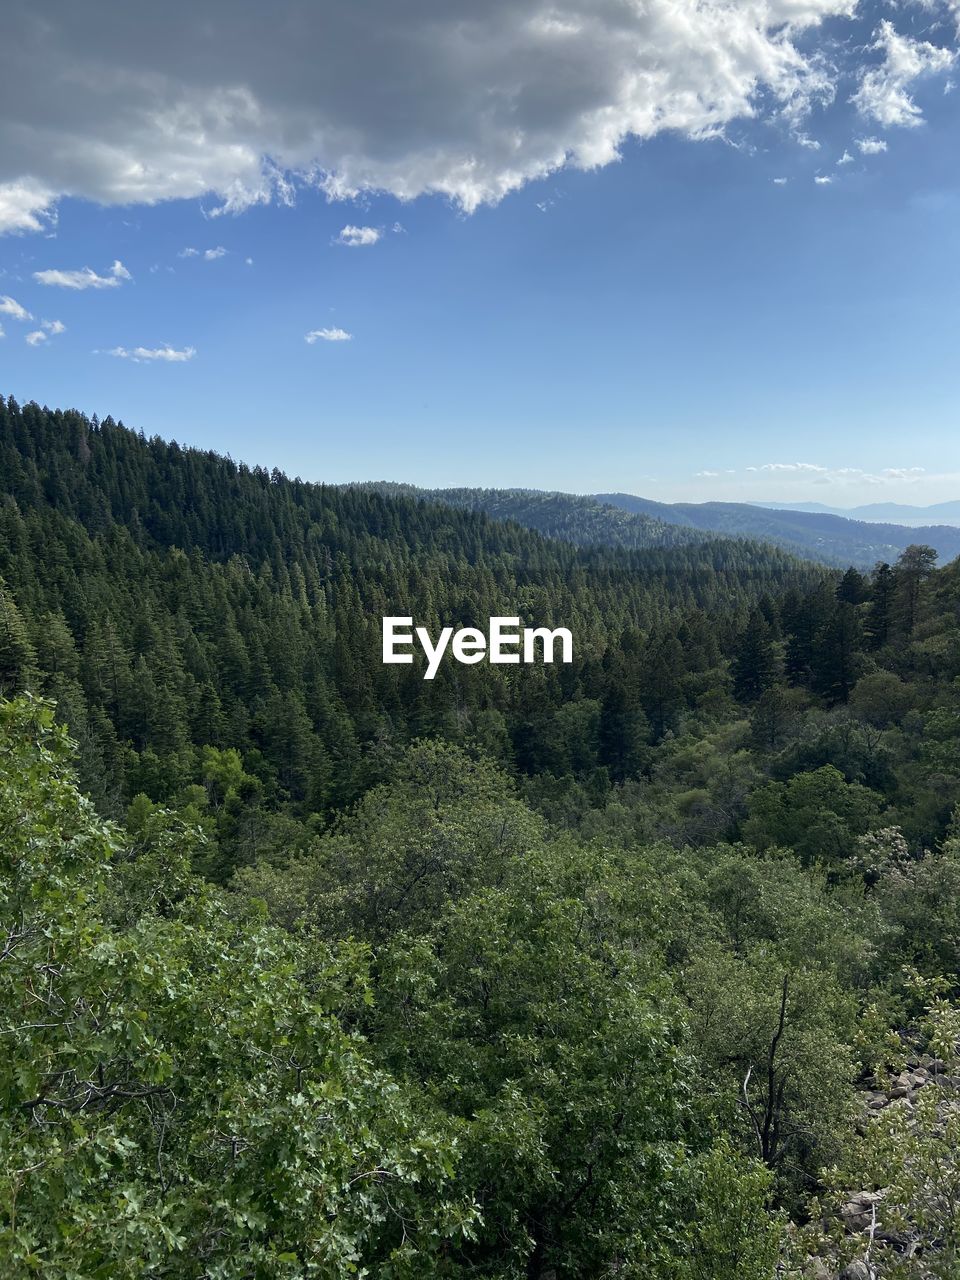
pixel 856 1271
pixel 858 1211
pixel 898 1091
pixel 818 1270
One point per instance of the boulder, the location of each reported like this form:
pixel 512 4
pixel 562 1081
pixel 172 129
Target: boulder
pixel 818 1270
pixel 857 1211
pixel 856 1271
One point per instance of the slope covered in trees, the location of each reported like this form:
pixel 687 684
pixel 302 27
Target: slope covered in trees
pixel 582 520
pixel 546 972
pixel 173 601
pixel 622 520
pixel 830 538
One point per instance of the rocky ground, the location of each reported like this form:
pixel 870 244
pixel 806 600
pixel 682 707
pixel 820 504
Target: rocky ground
pixel 882 1248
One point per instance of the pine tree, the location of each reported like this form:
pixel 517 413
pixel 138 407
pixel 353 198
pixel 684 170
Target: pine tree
pixel 17 657
pixel 755 660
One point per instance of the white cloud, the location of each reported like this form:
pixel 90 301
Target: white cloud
pixel 846 158
pixel 780 182
pixel 823 179
pixel 25 205
pixel 34 339
pixel 463 100
pixel 883 94
pixel 11 307
pixel 706 475
pixel 327 335
pixel 140 354
pixel 2 334
pixel 85 278
pixel 810 471
pixel 871 146
pixel 248 261
pixel 356 237
pixel 208 255
pixel 788 466
pixel 53 327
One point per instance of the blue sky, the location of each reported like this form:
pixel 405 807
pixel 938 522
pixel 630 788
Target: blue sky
pixel 696 319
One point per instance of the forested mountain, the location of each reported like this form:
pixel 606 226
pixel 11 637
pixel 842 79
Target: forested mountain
pixel 831 538
pixel 173 598
pixel 532 973
pixel 584 521
pixel 622 520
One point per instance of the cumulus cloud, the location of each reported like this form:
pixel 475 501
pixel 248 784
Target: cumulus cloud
pixel 34 339
pixel 11 307
pixel 24 205
pixel 780 182
pixel 871 146
pixel 846 158
pixel 53 327
pixel 357 237
pixel 449 97
pixel 883 94
pixel 139 355
pixel 823 180
pixel 85 278
pixel 327 335
pixel 2 334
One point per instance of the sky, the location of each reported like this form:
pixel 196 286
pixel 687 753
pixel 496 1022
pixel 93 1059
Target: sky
pixel 690 250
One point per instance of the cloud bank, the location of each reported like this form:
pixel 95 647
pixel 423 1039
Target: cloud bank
pixel 242 102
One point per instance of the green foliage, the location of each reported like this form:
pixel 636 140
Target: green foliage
pixel 818 814
pixel 554 972
pixel 179 1096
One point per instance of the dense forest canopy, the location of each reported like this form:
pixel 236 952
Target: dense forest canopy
pixel 314 968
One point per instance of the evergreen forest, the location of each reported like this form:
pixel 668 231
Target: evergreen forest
pixel 643 966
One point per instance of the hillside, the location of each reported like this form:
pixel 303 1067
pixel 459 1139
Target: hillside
pixel 522 934
pixel 582 520
pixel 831 539
pixel 173 598
pixel 622 520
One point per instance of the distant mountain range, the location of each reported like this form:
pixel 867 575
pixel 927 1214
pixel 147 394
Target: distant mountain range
pixel 623 520
pixel 883 512
pixel 818 535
